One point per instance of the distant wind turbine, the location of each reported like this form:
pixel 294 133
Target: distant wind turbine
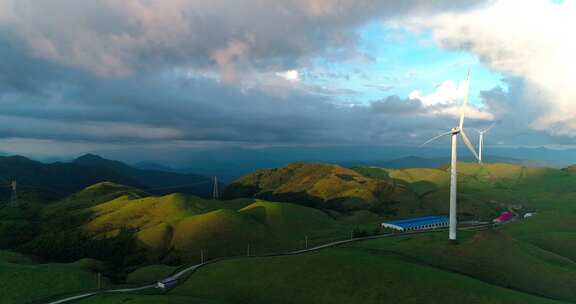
pixel 481 142
pixel 454 132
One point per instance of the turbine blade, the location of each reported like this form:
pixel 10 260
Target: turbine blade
pixel 465 102
pixel 490 127
pixel 435 138
pixel 469 144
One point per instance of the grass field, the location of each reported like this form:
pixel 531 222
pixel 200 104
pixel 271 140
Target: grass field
pixel 484 268
pixel 23 281
pixel 495 266
pixel 150 273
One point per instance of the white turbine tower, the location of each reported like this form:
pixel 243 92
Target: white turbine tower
pixel 454 132
pixel 481 142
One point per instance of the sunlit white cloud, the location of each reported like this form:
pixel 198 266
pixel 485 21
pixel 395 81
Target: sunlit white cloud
pixel 529 40
pixel 447 99
pixel 290 75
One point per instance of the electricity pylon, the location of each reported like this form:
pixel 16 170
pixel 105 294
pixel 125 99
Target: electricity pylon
pixel 215 194
pixel 14 197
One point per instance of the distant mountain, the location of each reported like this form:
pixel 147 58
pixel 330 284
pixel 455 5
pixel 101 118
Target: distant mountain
pixel 58 179
pixel 151 165
pixel 231 163
pixel 154 181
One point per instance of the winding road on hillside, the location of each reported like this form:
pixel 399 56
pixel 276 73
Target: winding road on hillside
pixel 193 268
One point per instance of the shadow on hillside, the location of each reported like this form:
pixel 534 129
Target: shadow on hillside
pixel 384 205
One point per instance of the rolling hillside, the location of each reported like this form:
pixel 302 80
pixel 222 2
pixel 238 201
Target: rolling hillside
pixel 503 265
pixel 129 227
pixel 483 190
pixel 23 280
pixel 316 185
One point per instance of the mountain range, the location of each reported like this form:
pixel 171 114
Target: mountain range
pixel 58 179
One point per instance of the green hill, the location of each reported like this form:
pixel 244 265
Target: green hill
pixel 131 228
pixel 92 196
pixel 317 185
pixel 484 191
pixel 23 281
pixel 486 267
pixel 526 261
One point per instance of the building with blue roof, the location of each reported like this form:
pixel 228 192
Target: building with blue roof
pixel 417 223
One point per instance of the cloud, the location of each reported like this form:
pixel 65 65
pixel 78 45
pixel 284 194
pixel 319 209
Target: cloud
pixel 119 38
pixel 447 92
pixel 396 105
pixel 447 99
pixel 290 75
pixel 528 40
pixel 165 72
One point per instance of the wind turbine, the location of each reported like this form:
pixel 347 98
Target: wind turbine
pixel 454 132
pixel 481 142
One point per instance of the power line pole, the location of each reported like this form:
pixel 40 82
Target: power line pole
pixel 306 241
pixel 201 256
pixel 215 194
pixel 99 280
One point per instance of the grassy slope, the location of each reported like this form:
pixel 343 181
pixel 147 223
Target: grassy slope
pixel 149 274
pixel 147 299
pixel 338 275
pixel 323 185
pixel 264 226
pixel 177 227
pixel 345 276
pixel 521 263
pixel 22 281
pixel 494 257
pixel 484 191
pixel 527 261
pixel 92 196
pixel 535 254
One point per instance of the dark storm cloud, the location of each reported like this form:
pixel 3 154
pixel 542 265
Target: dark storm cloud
pixel 173 107
pixel 134 71
pixel 120 37
pixel 395 105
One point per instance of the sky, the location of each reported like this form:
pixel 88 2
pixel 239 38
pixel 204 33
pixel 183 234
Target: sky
pixel 81 76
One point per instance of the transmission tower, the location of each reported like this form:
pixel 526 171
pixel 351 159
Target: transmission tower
pixel 215 194
pixel 14 197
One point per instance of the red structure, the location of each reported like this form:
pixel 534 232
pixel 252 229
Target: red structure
pixel 504 217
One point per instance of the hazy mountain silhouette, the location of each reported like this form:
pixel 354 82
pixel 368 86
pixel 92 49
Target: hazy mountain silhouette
pixel 63 178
